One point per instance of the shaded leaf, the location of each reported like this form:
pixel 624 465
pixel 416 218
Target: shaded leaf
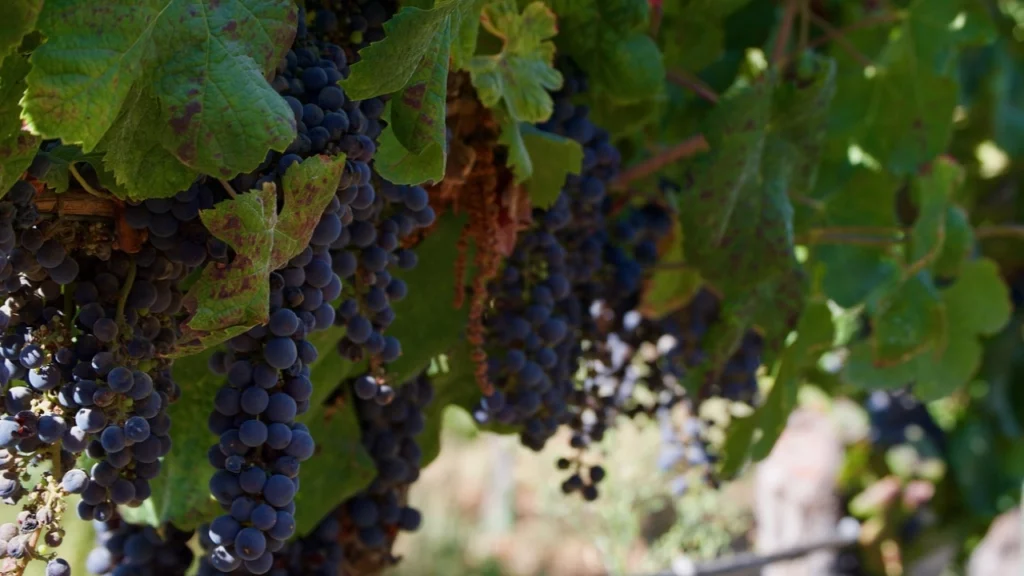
pixel 933 190
pixel 17 147
pixel 908 319
pixel 852 272
pixel 418 110
pixel 609 41
pixel 181 492
pixel 339 468
pixel 137 157
pixel 387 66
pixel 959 243
pixel 19 19
pixel 553 158
pixel 673 284
pixel 400 166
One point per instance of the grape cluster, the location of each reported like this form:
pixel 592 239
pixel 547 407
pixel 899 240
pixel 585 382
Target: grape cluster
pixel 543 296
pixel 389 433
pixel 363 526
pixel 174 227
pixel 123 548
pixel 893 414
pixel 85 333
pixel 351 24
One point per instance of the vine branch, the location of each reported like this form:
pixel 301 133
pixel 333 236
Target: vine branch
pixel 692 83
pixel 689 147
pixel 841 40
pixel 784 33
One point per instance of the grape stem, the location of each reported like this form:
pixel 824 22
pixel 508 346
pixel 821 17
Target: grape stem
pixel 841 40
pixel 56 473
pixel 227 186
pixel 833 33
pixel 84 183
pixel 125 290
pixel 689 147
pixel 785 31
pixel 686 80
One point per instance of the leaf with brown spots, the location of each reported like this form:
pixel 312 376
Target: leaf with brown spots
pixel 418 112
pixel 229 299
pixel 17 147
pixel 203 63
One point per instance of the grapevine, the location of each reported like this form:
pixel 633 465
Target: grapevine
pixel 252 252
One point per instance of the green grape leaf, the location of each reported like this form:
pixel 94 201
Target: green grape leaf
pixel 553 158
pixel 692 40
pixel 692 34
pixel 608 39
pixel 400 166
pixel 339 468
pixel 425 322
pixel 977 304
pixel 979 301
pixel 204 63
pixel 800 117
pixel 522 75
pixel 511 137
pixel 19 19
pixel 673 284
pixel 852 272
pixel 933 190
pixel 736 449
pixel 942 373
pixel 959 243
pixel 909 318
pixel 736 131
pixel 229 299
pixel 387 66
pixel 815 333
pixel 418 112
pixel 58 175
pixel 427 326
pixel 465 31
pixel 17 147
pixel 181 492
pixel 624 119
pixel 902 110
pixel 141 165
pixel 863 372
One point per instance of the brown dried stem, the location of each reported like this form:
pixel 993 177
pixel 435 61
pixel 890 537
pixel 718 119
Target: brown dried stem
pixel 685 149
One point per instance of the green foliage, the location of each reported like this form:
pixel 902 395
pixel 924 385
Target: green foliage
pixel 862 173
pixel 522 75
pixel 17 147
pixel 561 157
pixel 169 83
pixel 229 300
pixel 608 39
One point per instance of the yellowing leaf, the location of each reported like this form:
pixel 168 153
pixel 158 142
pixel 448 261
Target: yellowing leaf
pixel 523 73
